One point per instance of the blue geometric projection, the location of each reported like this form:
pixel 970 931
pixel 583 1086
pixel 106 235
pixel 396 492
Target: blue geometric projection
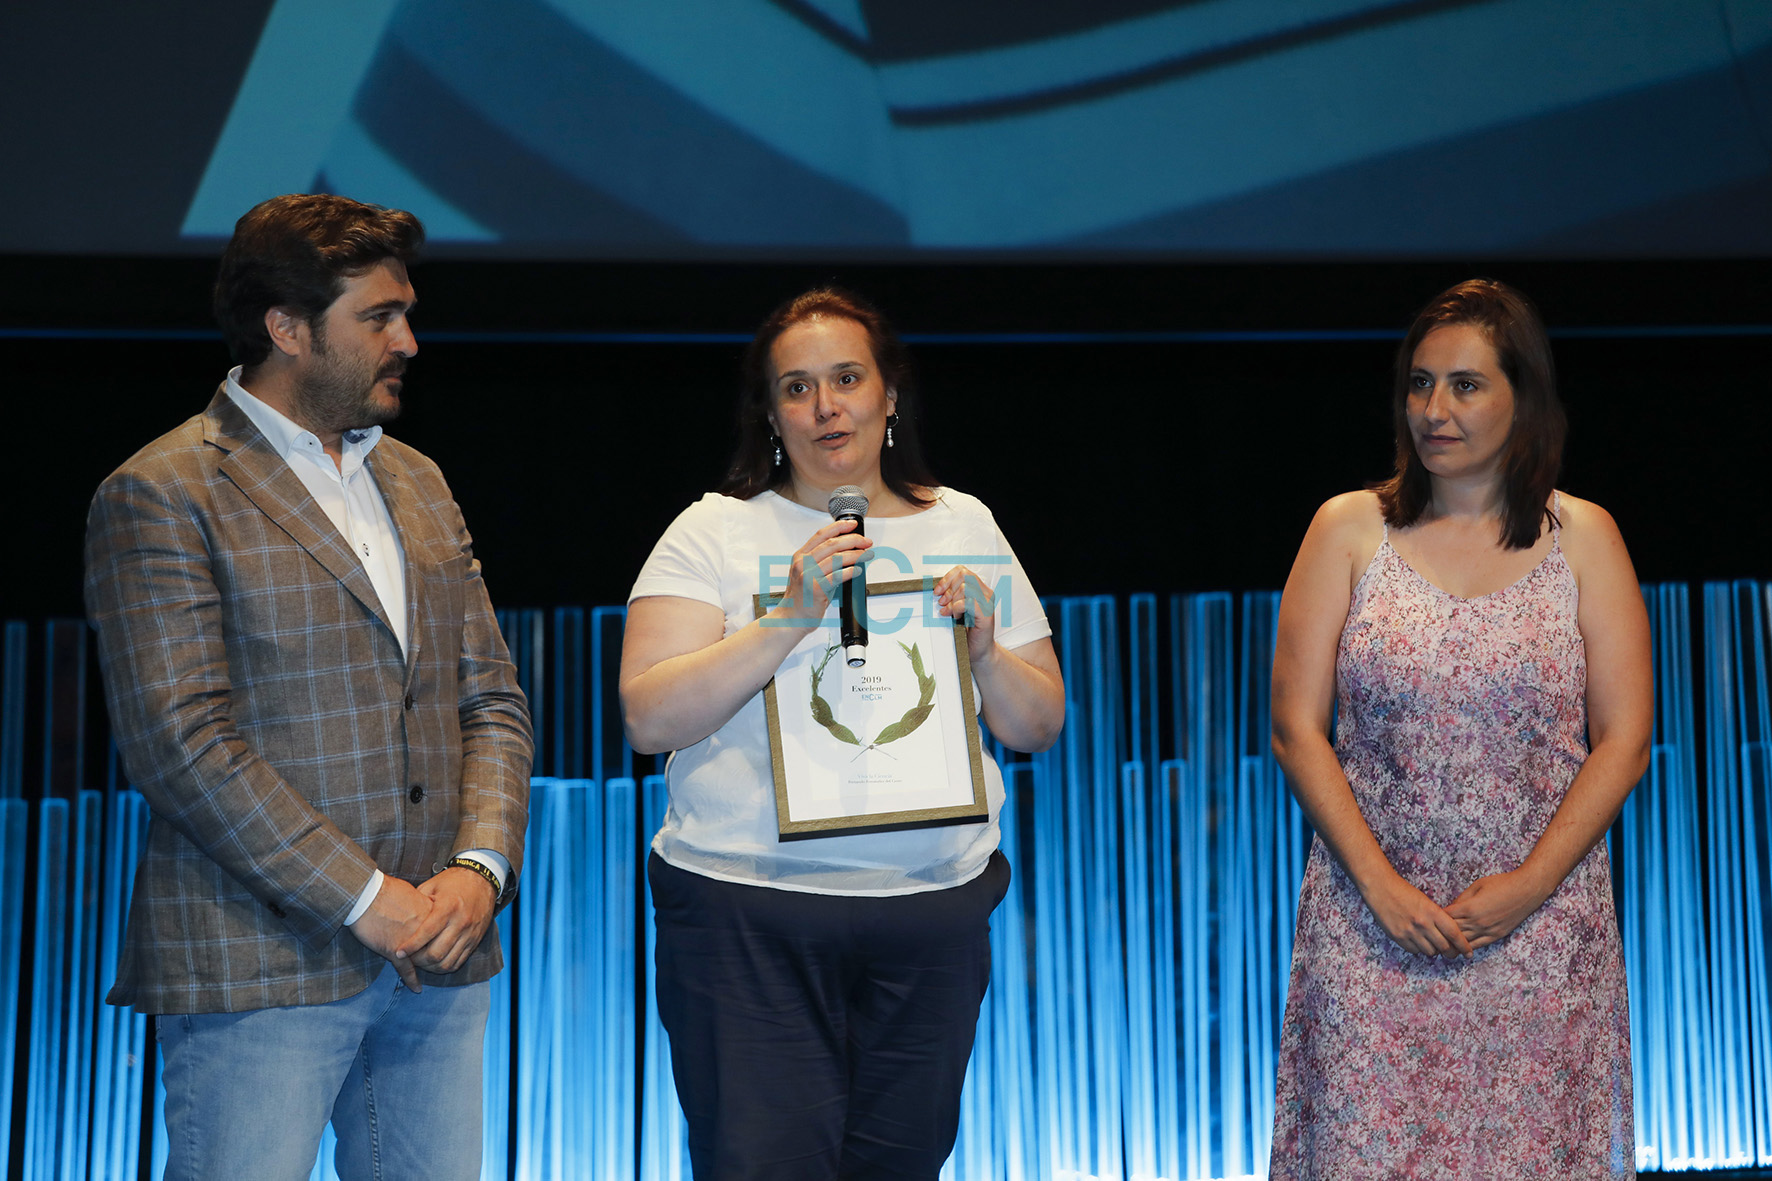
pixel 550 128
pixel 1139 961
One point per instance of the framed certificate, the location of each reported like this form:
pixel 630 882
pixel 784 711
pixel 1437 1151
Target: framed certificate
pixel 893 744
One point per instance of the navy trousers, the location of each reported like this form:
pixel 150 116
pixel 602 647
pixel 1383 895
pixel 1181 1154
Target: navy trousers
pixel 818 1036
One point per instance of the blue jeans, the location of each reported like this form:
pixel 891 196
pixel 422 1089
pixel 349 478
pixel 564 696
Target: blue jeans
pixel 398 1073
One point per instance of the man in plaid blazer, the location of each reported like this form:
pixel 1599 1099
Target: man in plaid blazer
pixel 307 683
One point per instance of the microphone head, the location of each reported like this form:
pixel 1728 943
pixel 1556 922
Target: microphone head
pixel 848 502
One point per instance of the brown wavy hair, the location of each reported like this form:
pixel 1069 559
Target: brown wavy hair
pixel 296 252
pixel 1534 454
pixel 753 469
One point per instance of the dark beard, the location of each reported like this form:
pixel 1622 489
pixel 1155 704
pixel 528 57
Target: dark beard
pixel 335 401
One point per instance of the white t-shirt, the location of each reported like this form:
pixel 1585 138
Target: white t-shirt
pixel 722 822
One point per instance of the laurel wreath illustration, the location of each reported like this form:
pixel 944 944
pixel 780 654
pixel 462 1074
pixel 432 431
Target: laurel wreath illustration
pixel 913 717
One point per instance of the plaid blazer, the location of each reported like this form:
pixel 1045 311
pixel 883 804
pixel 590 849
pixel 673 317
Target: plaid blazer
pixel 262 704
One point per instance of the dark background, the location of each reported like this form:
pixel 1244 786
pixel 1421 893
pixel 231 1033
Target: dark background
pixel 1166 424
pixel 1160 425
pixel 1134 427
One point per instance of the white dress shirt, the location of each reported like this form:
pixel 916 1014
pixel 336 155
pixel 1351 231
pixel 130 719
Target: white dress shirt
pixel 347 493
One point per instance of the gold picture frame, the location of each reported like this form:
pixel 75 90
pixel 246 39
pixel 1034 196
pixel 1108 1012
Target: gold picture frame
pixel 834 773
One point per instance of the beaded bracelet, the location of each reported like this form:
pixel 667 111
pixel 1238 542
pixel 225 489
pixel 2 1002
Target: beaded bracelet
pixel 477 867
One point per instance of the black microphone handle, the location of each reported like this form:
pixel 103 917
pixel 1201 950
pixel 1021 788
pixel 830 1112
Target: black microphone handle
pixel 852 611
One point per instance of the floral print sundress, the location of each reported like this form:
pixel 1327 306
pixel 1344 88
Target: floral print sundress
pixel 1460 724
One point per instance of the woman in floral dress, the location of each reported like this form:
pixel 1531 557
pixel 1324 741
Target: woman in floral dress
pixel 1457 1005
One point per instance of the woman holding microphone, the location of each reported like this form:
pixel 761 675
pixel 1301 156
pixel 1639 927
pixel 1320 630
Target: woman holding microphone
pixel 820 994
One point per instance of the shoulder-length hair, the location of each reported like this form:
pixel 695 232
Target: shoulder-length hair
pixel 753 469
pixel 1534 452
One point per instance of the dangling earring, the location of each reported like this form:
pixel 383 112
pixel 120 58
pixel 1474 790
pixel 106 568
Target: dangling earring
pixel 777 439
pixel 890 419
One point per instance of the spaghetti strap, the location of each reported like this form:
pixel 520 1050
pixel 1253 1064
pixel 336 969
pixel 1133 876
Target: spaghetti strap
pixel 1556 516
pixel 1377 559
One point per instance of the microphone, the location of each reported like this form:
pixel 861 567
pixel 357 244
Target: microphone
pixel 850 503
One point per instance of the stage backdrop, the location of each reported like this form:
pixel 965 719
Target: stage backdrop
pixel 699 129
pixel 1140 960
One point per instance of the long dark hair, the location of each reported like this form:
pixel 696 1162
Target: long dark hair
pixel 753 469
pixel 1534 453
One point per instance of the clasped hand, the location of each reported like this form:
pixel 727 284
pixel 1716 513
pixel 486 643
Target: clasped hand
pixel 1488 910
pixel 1491 907
pixel 435 925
